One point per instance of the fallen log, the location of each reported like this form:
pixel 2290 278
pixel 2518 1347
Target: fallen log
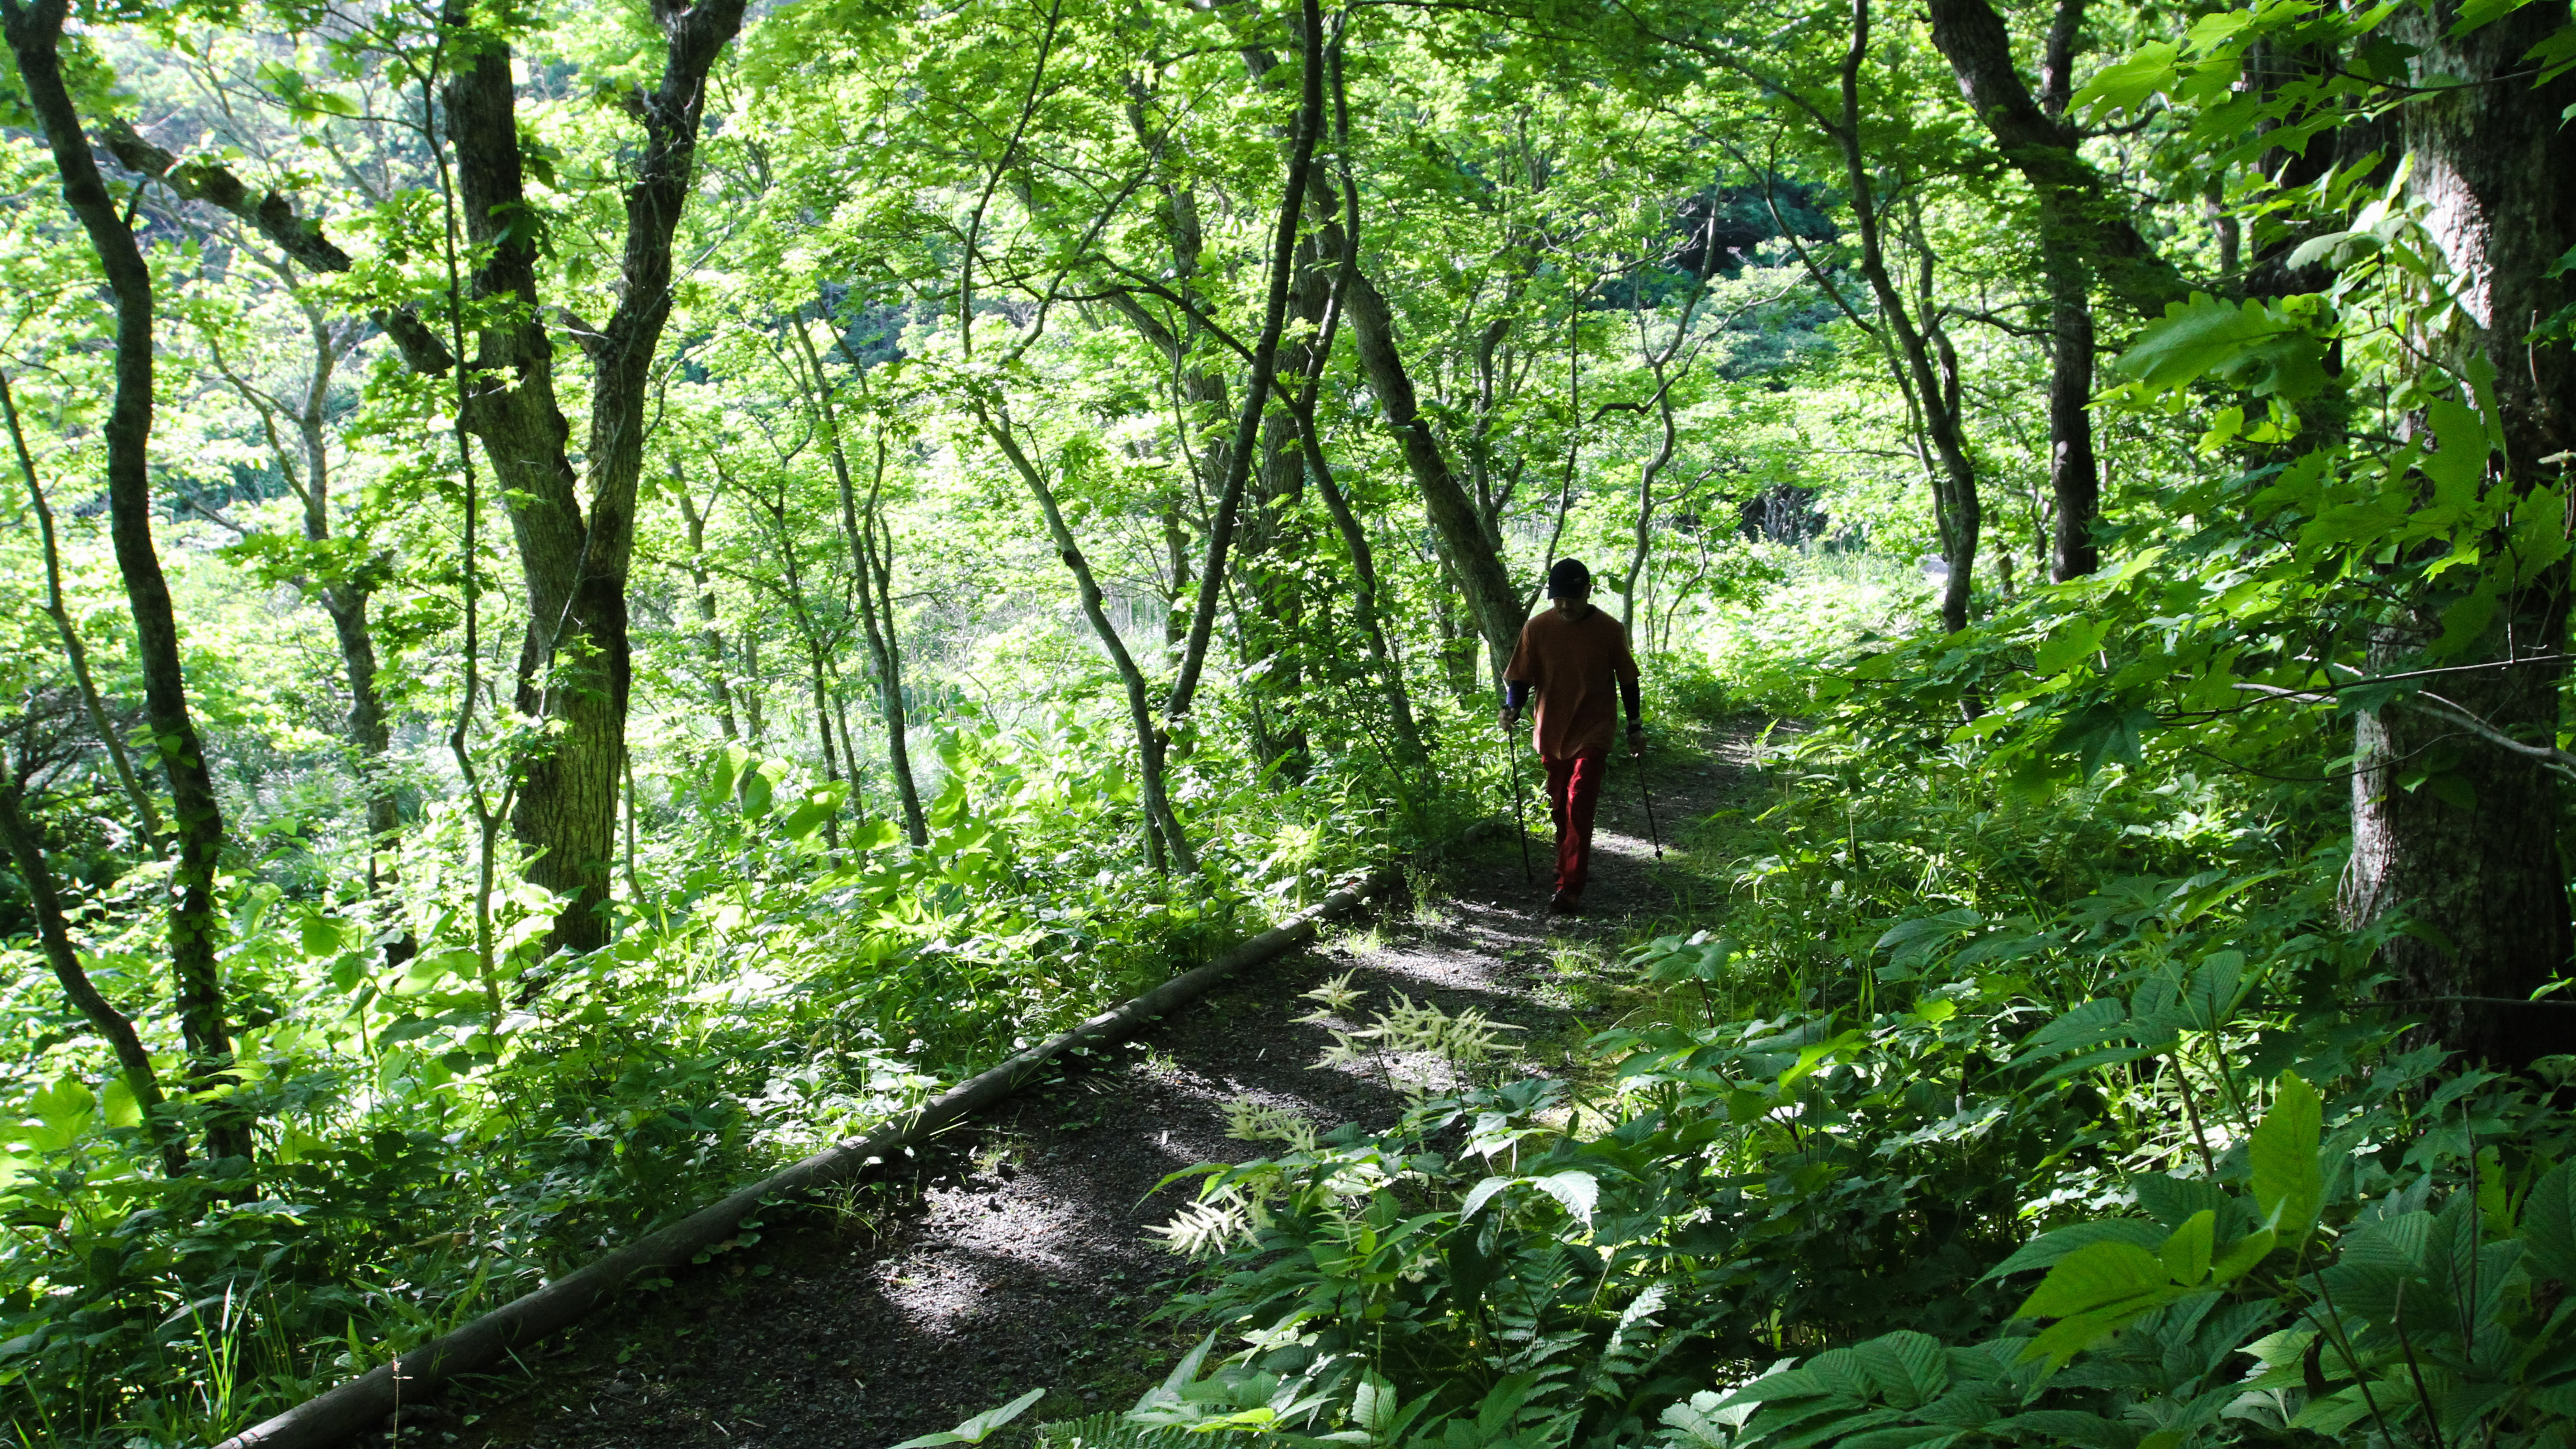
pixel 335 1416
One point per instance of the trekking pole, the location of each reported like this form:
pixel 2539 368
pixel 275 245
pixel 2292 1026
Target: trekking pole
pixel 1649 797
pixel 1512 769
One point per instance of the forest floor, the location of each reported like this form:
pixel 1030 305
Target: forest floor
pixel 1015 1254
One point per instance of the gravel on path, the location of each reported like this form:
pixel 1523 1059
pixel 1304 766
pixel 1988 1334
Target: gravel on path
pixel 1015 1254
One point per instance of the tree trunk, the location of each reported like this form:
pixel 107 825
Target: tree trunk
pixel 711 643
pixel 44 898
pixel 2081 215
pixel 35 35
pixel 1474 553
pixel 1265 361
pixel 1160 819
pixel 2481 868
pixel 75 654
pixel 1924 361
pixel 860 538
pixel 2074 478
pixel 574 666
pixel 754 724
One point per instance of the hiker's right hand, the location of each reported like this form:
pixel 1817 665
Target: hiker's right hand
pixel 1511 719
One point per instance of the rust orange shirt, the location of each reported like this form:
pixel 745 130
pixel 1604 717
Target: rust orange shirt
pixel 1574 668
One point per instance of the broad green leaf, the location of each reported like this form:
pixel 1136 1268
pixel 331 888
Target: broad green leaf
pixel 758 784
pixel 2289 1186
pixel 2549 1224
pixel 2460 463
pixel 1481 1194
pixel 1577 1190
pixel 2239 1257
pixel 2186 1253
pixel 117 1106
pixel 2088 1024
pixel 724 768
pixel 321 935
pixel 1908 1368
pixel 2093 1278
pixel 2127 85
pixel 1374 1407
pixel 2251 346
pixel 2065 1426
pixel 2048 1247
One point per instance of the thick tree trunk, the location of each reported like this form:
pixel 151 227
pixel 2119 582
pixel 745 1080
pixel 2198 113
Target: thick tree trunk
pixel 2474 857
pixel 2081 215
pixel 35 35
pixel 2074 477
pixel 574 665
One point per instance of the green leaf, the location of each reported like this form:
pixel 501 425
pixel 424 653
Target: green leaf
pixel 321 935
pixel 1915 940
pixel 1577 1190
pixel 1481 1194
pixel 2048 1247
pixel 724 767
pixel 62 1109
pixel 1374 1407
pixel 2071 642
pixel 2460 463
pixel 2065 1426
pixel 2289 1186
pixel 1909 1369
pixel 809 815
pixel 2186 1253
pixel 2239 1257
pixel 759 784
pixel 976 1430
pixel 2094 1278
pixel 2127 85
pixel 2089 1024
pixel 2252 346
pixel 2549 1225
pixel 117 1106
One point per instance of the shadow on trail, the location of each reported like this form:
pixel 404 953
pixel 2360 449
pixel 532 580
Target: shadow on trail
pixel 1015 1253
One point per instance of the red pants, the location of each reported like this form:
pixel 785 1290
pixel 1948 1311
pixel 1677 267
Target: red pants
pixel 1573 789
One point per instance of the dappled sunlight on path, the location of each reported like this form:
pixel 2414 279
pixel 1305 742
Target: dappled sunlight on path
pixel 1015 1253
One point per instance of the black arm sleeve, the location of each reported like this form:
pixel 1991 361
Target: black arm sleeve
pixel 1629 696
pixel 1515 693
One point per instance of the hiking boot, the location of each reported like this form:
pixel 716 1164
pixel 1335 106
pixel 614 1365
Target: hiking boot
pixel 1565 903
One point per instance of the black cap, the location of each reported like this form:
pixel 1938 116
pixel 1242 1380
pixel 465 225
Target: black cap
pixel 1569 579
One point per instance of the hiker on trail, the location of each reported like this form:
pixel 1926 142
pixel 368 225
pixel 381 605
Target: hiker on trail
pixel 1569 657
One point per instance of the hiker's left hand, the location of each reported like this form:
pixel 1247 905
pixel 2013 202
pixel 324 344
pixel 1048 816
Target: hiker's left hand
pixel 1637 741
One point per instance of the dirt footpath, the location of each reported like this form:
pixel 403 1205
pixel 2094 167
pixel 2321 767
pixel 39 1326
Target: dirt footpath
pixel 1015 1254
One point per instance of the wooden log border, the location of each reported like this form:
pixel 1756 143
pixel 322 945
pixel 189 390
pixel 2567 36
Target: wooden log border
pixel 340 1414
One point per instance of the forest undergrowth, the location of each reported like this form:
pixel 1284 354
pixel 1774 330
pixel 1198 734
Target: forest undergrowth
pixel 451 1135
pixel 1978 1112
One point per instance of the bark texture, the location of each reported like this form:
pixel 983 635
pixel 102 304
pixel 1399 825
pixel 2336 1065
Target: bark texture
pixel 2080 213
pixel 2479 872
pixel 574 664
